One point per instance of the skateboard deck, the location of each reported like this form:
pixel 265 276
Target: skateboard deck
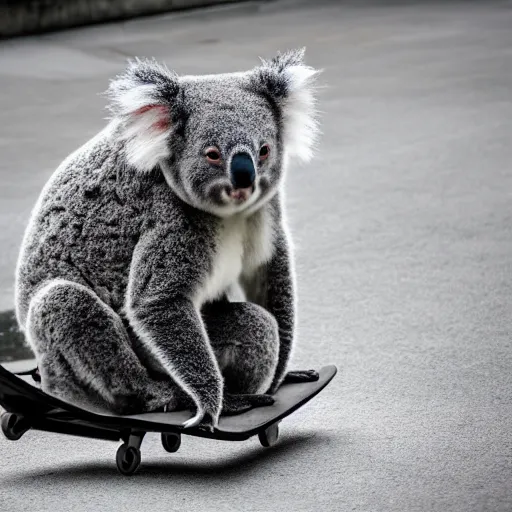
pixel 28 407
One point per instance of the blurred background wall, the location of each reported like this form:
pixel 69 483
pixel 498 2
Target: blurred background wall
pixel 20 17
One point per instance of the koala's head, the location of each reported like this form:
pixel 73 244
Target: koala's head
pixel 222 141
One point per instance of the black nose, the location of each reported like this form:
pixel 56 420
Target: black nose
pixel 242 170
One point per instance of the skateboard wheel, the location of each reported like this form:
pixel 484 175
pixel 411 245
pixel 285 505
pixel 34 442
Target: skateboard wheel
pixel 171 442
pixel 269 436
pixel 128 459
pixel 14 425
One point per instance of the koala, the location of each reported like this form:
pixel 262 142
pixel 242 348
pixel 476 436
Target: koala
pixel 157 267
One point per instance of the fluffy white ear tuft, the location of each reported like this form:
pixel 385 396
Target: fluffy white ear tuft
pixel 146 132
pixel 299 112
pixel 141 101
pixel 292 85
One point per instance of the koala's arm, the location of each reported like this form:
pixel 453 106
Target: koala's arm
pixel 273 287
pixel 162 314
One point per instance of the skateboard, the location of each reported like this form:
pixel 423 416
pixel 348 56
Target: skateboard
pixel 28 407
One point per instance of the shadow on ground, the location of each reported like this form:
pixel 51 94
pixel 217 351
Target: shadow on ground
pixel 240 465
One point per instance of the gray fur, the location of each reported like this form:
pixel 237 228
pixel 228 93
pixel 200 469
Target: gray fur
pixel 137 243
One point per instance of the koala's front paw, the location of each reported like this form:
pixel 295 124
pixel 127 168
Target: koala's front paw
pixel 203 419
pixel 237 404
pixel 207 408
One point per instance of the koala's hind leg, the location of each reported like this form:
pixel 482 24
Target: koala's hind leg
pixel 245 339
pixel 84 354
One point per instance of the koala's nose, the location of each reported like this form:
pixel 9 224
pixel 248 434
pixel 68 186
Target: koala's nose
pixel 243 173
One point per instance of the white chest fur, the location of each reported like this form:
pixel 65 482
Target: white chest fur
pixel 243 244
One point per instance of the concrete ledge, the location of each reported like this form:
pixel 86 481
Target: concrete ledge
pixel 22 17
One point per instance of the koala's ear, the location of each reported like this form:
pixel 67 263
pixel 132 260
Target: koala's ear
pixel 291 84
pixel 141 100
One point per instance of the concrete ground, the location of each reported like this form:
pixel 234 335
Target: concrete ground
pixel 403 229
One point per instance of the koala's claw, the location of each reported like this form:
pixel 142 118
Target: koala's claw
pixel 193 422
pixel 202 419
pixel 237 404
pixel 301 376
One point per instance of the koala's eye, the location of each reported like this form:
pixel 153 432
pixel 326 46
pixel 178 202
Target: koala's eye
pixel 264 152
pixel 212 155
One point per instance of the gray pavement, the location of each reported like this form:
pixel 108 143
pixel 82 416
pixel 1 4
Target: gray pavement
pixel 403 230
